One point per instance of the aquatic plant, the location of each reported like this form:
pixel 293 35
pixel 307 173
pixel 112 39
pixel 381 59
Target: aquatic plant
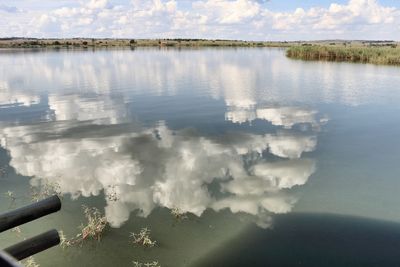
pixel 178 213
pixel 111 193
pixel 64 241
pixel 96 225
pixel 143 238
pixel 11 196
pixel 46 189
pixel 17 230
pixel 147 264
pixel 3 171
pixel 30 262
pixel 93 229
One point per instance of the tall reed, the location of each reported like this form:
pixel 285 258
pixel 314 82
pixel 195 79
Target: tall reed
pixel 363 54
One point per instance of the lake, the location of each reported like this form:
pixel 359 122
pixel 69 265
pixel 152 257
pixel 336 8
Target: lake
pixel 230 157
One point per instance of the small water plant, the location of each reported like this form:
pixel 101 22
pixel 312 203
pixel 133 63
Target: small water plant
pixel 30 262
pixel 17 230
pixel 93 229
pixel 178 213
pixel 146 264
pixel 46 189
pixel 96 224
pixel 3 171
pixel 11 196
pixel 111 194
pixel 143 238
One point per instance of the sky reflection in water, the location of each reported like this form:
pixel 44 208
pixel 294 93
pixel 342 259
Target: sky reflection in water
pixel 216 129
pixel 144 166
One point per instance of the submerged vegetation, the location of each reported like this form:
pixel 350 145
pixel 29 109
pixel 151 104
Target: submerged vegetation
pixel 143 238
pixel 30 262
pixel 45 190
pixel 146 264
pixel 178 214
pixel 93 229
pixel 11 196
pixel 389 55
pixel 3 171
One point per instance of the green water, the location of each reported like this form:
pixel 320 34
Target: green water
pixel 276 162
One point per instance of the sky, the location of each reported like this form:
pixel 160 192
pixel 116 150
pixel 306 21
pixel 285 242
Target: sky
pixel 267 20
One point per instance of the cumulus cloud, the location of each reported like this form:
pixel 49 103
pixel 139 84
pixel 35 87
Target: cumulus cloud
pixel 227 12
pixel 234 19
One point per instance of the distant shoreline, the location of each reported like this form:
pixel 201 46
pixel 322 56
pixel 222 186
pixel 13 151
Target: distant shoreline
pixel 89 42
pixel 16 42
pixel 360 51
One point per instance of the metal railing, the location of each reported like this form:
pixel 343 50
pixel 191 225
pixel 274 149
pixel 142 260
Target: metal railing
pixel 33 245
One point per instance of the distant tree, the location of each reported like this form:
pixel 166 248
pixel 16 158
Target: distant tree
pixel 132 42
pixel 84 43
pixel 56 43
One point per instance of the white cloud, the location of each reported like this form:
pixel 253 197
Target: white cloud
pixel 94 4
pixel 227 12
pixel 234 19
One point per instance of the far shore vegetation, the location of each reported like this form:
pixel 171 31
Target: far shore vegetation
pixel 375 52
pixel 16 42
pixel 387 55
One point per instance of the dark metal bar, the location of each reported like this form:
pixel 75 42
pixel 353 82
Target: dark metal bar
pixel 34 245
pixel 29 213
pixel 7 261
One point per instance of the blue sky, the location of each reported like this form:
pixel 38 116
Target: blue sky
pixel 230 19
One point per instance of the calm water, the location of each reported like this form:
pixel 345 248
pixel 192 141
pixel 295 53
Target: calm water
pixel 277 162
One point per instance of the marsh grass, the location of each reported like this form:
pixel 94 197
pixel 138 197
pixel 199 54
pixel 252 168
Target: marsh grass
pixel 142 238
pixel 93 229
pixel 364 54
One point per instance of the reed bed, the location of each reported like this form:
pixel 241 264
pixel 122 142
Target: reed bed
pixel 388 55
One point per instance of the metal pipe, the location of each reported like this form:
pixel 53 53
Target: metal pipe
pixel 7 261
pixel 34 245
pixel 29 213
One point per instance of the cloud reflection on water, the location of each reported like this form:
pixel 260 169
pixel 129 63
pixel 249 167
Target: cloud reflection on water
pixel 159 167
pixel 92 144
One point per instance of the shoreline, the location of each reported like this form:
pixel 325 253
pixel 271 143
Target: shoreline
pixel 356 51
pixel 92 42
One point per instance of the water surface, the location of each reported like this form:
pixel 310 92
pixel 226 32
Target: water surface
pixel 277 162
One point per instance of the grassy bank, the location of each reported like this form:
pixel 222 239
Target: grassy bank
pixel 389 55
pixel 87 42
